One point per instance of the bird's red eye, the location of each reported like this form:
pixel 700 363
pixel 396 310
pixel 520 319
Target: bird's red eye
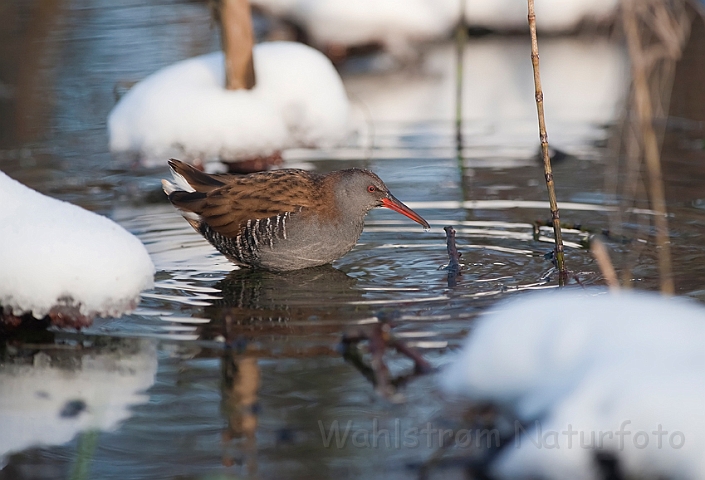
pixel 371 189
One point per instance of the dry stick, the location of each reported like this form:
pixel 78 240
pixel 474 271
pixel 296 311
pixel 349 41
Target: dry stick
pixel 643 107
pixel 599 251
pixel 237 38
pixel 555 216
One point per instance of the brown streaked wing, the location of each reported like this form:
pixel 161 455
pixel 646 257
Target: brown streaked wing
pixel 227 209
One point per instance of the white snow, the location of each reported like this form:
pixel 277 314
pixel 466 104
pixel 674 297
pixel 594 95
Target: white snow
pixel 551 15
pixel 616 369
pixel 399 24
pixel 108 384
pixel 395 24
pixel 55 253
pixel 184 110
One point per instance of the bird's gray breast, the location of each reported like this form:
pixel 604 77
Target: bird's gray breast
pixel 286 241
pixel 308 243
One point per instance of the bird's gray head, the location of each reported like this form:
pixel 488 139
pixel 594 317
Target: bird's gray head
pixel 358 191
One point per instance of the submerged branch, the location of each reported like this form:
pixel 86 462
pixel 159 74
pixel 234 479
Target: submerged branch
pixel 379 337
pixel 453 257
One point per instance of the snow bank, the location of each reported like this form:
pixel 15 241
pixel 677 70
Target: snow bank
pixel 184 109
pixel 55 253
pixel 617 370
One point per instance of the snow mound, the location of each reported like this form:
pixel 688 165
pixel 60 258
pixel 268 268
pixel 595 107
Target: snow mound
pixel 394 24
pixel 54 253
pixel 617 373
pixel 184 110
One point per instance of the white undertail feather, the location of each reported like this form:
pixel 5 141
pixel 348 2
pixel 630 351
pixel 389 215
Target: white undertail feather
pixel 180 183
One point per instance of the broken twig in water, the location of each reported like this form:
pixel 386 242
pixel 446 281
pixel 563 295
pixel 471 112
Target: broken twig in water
pixel 543 135
pixel 453 257
pixel 602 256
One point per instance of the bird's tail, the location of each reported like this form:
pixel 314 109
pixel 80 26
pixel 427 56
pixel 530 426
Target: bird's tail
pixel 188 190
pixel 189 179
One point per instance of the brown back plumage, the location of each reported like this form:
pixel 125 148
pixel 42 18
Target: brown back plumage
pixel 226 202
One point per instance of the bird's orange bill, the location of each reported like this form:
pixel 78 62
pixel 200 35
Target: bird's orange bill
pixel 394 204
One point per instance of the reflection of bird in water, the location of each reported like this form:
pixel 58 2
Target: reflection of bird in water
pixel 313 299
pixel 280 220
pixel 277 290
pixel 302 314
pixel 261 305
pixel 241 379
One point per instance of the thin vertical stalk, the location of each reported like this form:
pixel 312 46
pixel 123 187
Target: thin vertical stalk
pixel 644 113
pixel 543 136
pixel 460 38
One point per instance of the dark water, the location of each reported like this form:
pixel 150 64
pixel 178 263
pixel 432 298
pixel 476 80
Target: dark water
pixel 228 374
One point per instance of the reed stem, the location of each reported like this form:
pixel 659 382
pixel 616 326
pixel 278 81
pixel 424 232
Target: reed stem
pixel 460 39
pixel 543 136
pixel 644 113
